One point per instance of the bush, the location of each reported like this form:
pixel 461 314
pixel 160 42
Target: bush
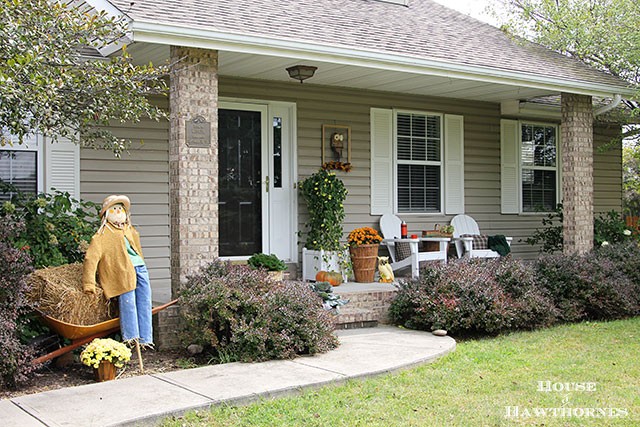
pixel 269 262
pixel 593 286
pixel 473 296
pixel 237 313
pixel 57 229
pixel 15 265
pixel 607 227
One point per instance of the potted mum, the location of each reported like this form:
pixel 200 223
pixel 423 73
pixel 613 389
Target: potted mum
pixel 363 247
pixel 324 194
pixel 104 356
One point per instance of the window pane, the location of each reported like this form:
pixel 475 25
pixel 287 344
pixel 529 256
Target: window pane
pixel 404 148
pixel 538 146
pixel 418 188
pixel 528 147
pixel 277 152
pixel 418 137
pixel 19 168
pixel 538 190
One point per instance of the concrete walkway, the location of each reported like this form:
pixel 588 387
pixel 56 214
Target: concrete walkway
pixel 147 399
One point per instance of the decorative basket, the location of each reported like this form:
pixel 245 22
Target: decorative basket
pixel 433 246
pixel 106 371
pixel 364 259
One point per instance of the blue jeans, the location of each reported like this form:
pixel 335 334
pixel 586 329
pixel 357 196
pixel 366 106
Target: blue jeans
pixel 135 310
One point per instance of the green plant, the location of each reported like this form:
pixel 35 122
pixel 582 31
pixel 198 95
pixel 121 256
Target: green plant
pixel 447 229
pixel 329 299
pixel 550 235
pixel 608 228
pixel 269 262
pixel 236 313
pixel 324 194
pixel 58 228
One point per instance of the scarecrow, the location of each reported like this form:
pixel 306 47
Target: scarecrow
pixel 115 254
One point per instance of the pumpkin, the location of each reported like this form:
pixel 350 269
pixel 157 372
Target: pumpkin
pixel 333 278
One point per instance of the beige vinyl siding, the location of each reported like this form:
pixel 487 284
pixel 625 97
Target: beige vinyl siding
pixel 317 105
pixel 142 175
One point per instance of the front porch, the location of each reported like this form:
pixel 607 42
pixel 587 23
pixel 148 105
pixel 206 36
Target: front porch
pixel 341 94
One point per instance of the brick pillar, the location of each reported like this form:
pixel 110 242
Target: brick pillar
pixel 577 172
pixel 193 171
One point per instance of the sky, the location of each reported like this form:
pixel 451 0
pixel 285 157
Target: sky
pixel 473 8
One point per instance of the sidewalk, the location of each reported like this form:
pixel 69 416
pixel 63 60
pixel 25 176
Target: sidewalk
pixel 147 399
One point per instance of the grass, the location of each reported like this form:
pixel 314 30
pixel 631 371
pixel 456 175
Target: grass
pixel 473 385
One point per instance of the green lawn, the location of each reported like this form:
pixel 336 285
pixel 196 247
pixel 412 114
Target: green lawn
pixel 474 385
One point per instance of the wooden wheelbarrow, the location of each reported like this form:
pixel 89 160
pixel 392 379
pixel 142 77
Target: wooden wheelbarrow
pixel 80 335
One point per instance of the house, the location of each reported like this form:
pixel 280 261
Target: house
pixel 434 107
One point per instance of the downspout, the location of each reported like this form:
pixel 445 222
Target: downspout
pixel 617 99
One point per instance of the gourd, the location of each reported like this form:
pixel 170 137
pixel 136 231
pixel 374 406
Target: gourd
pixel 331 277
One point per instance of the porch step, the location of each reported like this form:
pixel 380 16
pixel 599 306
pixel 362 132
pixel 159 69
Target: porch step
pixel 367 307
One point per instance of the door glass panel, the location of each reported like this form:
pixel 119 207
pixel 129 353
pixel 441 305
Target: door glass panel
pixel 239 177
pixel 277 152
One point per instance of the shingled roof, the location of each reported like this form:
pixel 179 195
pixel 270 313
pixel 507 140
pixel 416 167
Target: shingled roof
pixel 423 29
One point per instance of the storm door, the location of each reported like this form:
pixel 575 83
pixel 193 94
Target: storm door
pixel 241 198
pixel 257 175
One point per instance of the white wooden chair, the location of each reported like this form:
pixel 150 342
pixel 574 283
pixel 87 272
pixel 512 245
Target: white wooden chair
pixel 464 224
pixel 390 227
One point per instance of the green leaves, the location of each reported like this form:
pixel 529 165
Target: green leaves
pixel 55 82
pixel 604 34
pixel 324 194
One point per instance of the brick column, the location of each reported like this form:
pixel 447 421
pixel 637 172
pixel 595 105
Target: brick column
pixel 193 171
pixel 577 172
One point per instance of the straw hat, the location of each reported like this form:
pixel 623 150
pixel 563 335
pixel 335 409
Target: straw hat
pixel 114 200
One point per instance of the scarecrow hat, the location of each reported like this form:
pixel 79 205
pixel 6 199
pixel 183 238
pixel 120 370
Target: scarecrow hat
pixel 114 200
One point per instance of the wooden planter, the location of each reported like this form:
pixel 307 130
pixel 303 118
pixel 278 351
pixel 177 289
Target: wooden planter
pixel 364 259
pixel 106 371
pixel 278 276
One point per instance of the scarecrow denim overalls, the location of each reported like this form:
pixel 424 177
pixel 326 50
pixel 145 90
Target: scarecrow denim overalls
pixel 135 305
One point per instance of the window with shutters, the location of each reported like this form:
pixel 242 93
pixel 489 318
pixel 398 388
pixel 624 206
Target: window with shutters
pixel 19 166
pixel 539 167
pixel 418 162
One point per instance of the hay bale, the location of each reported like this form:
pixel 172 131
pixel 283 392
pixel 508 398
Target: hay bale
pixel 57 292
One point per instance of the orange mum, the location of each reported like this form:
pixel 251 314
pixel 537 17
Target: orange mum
pixel 364 236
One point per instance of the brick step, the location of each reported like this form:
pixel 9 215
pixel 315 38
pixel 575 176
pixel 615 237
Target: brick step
pixel 354 318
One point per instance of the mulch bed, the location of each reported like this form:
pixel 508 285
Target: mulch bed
pixel 50 377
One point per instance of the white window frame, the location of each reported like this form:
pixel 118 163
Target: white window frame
pixel 35 146
pixel 441 163
pixel 557 169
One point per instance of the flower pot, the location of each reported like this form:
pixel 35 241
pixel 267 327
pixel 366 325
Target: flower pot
pixel 106 371
pixel 364 259
pixel 276 275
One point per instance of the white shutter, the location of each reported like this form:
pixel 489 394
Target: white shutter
pixel 509 161
pixel 62 166
pixel 454 164
pixel 381 161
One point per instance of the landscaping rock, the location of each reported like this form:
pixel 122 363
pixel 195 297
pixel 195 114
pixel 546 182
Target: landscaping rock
pixel 195 349
pixel 439 333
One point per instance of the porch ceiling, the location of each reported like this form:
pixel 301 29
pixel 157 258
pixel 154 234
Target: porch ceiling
pixel 354 76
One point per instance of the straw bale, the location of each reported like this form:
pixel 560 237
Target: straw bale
pixel 57 292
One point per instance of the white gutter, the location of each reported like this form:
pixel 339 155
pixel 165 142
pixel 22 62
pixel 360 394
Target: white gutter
pixel 617 99
pixel 171 34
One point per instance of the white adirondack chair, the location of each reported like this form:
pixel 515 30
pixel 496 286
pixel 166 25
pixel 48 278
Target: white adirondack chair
pixel 464 224
pixel 390 227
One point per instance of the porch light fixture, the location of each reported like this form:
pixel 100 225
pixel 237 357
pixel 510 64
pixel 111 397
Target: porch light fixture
pixel 301 72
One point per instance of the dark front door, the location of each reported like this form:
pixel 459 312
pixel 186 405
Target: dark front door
pixel 239 177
